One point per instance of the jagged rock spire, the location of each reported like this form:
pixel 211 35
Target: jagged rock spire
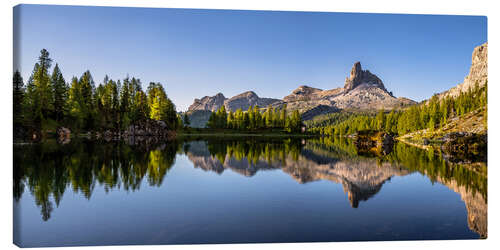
pixel 359 76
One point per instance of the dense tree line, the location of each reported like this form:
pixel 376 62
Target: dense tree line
pixel 431 115
pixel 328 119
pixel 48 101
pixel 253 119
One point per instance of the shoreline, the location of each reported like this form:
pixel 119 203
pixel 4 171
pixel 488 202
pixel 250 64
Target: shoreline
pixel 418 145
pixel 245 134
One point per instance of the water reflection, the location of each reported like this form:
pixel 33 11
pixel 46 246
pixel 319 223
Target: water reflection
pixel 47 170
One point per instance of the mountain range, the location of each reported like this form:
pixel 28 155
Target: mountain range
pixel 362 91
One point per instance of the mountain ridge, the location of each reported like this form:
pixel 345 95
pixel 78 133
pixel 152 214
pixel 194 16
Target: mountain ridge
pixel 362 90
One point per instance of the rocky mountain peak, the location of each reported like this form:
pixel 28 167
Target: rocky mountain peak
pixel 478 72
pixel 246 99
pixel 210 103
pixel 356 71
pixel 479 65
pixel 247 94
pixel 303 89
pixel 303 92
pixel 359 76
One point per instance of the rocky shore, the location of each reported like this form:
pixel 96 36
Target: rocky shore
pixel 376 142
pixel 142 132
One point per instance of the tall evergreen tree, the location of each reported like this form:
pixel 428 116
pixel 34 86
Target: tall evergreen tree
pixel 42 90
pixel 86 84
pixel 186 121
pixel 18 99
pixel 60 93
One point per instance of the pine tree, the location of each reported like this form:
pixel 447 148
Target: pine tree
pixel 239 119
pixel 170 116
pixel 60 93
pixel 269 116
pixel 222 117
pixel 140 108
pixel 251 118
pixel 86 84
pixel 257 117
pixel 186 120
pixel 380 120
pixel 42 89
pixel 18 98
pixel 160 106
pixel 283 116
pixel 211 120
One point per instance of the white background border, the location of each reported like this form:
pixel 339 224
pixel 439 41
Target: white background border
pixel 457 7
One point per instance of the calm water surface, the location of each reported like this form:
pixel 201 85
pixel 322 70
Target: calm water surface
pixel 238 191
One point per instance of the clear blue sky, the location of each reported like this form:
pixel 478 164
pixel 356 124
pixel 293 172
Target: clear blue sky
pixel 194 53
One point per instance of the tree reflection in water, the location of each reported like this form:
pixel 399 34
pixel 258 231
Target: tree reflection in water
pixel 47 169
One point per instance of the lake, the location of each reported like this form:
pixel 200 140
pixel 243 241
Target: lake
pixel 241 190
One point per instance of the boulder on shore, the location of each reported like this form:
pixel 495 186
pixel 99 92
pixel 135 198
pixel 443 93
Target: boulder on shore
pixel 147 128
pixel 63 135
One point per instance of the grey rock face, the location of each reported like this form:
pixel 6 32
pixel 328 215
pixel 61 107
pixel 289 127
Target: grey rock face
pixel 319 110
pixel 478 72
pixel 369 97
pixel 479 66
pixel 211 103
pixel 247 99
pixel 302 93
pixel 243 101
pixel 359 76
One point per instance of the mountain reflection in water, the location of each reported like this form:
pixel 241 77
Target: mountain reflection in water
pixel 46 170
